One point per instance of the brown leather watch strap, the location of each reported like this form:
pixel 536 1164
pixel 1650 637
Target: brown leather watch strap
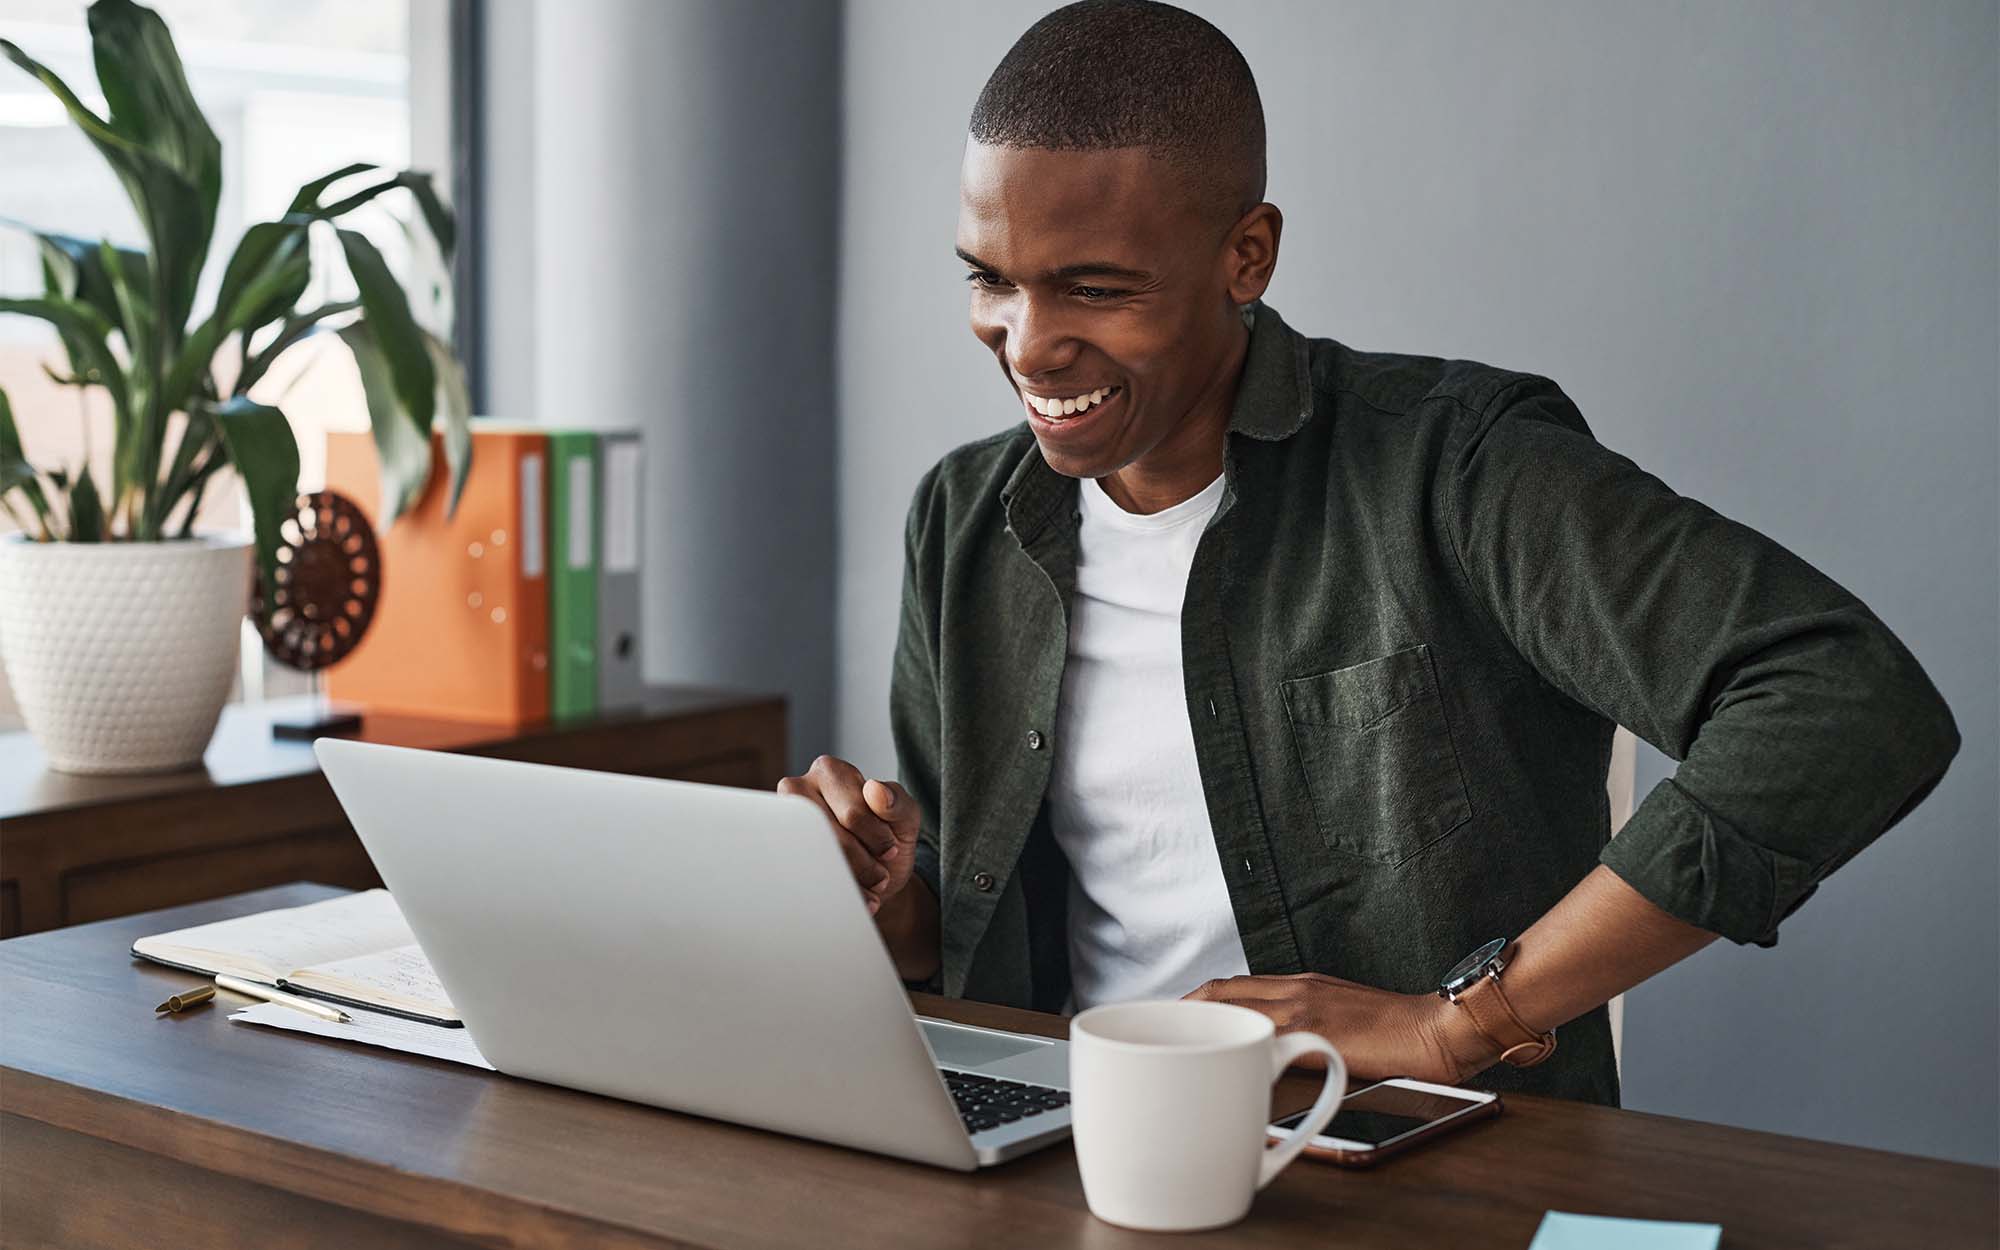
pixel 1496 1020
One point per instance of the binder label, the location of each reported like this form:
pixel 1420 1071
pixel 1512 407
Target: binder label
pixel 579 512
pixel 621 505
pixel 531 516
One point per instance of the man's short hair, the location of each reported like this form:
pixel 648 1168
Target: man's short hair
pixel 1133 73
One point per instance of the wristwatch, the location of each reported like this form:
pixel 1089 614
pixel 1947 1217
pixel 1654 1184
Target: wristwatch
pixel 1474 984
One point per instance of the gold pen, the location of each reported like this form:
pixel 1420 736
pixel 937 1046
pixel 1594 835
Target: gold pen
pixel 187 998
pixel 269 995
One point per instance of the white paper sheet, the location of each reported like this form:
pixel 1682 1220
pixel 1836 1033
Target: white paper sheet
pixel 372 1028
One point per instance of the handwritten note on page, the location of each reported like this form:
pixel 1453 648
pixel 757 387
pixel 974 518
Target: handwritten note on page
pixel 399 977
pixel 270 944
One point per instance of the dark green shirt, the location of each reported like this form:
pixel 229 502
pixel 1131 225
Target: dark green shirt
pixel 1425 601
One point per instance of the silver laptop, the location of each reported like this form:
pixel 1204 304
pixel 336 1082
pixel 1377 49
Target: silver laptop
pixel 689 946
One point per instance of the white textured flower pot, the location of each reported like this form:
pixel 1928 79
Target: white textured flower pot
pixel 121 654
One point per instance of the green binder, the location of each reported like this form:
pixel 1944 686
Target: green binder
pixel 573 557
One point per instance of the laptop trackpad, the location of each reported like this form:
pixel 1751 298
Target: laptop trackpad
pixel 957 1047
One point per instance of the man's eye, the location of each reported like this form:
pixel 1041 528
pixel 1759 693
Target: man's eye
pixel 985 280
pixel 1098 292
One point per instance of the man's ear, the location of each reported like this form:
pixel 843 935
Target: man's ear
pixel 1251 252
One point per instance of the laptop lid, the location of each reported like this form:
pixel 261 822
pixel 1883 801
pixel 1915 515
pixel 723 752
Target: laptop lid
pixel 688 946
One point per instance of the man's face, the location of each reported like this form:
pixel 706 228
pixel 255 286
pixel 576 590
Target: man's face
pixel 1096 271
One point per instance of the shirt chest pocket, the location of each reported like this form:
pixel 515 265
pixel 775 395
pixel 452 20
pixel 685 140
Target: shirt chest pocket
pixel 1377 754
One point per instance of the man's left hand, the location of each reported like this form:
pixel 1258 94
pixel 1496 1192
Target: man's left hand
pixel 1380 1033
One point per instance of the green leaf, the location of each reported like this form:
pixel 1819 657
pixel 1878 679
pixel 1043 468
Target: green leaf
pixel 15 471
pixel 147 91
pixel 139 71
pixel 394 330
pixel 307 200
pixel 420 185
pixel 455 400
pixel 86 510
pixel 265 276
pixel 195 490
pixel 85 330
pixel 199 442
pixel 442 226
pixel 296 328
pixel 88 329
pixel 75 269
pixel 95 128
pixel 135 315
pixel 266 456
pixel 14 467
pixel 402 451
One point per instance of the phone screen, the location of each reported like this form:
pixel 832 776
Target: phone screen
pixel 1381 1113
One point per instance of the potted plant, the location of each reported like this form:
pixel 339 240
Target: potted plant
pixel 119 625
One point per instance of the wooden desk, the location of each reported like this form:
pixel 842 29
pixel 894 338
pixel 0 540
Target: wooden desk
pixel 118 1129
pixel 258 813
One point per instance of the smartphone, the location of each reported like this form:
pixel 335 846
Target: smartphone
pixel 1391 1116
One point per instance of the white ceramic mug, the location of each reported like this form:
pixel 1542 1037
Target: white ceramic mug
pixel 1168 1105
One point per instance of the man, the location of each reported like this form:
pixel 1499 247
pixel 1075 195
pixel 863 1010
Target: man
pixel 1257 668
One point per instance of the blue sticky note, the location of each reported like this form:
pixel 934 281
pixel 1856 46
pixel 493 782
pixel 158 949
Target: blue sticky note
pixel 1562 1231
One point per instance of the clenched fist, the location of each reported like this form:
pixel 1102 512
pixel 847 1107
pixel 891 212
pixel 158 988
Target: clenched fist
pixel 875 823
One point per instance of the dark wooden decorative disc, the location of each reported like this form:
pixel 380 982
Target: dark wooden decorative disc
pixel 328 580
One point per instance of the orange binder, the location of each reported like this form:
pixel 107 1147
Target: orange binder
pixel 462 627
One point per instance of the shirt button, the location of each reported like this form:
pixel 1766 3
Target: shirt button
pixel 983 882
pixel 1034 739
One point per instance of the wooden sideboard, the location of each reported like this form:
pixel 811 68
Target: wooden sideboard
pixel 258 813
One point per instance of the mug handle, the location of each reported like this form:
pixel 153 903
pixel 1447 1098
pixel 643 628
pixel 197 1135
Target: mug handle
pixel 1288 1048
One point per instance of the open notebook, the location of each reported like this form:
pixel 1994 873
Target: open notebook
pixel 355 949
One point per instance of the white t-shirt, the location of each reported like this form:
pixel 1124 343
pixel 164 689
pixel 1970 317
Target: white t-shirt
pixel 1149 914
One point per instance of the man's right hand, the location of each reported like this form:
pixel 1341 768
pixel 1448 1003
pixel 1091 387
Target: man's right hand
pixel 875 823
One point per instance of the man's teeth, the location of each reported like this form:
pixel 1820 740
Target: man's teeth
pixel 1069 407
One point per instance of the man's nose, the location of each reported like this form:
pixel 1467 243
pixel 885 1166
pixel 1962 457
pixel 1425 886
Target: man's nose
pixel 1039 342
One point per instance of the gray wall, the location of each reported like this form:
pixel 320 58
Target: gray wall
pixel 1757 244
pixel 688 291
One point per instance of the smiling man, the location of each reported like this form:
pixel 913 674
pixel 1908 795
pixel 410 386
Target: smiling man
pixel 1255 667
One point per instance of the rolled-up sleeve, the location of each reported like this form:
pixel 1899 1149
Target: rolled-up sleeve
pixel 1803 727
pixel 913 700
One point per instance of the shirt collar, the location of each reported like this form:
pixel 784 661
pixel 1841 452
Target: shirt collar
pixel 1274 400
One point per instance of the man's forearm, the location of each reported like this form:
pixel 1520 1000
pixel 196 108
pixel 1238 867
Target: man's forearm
pixel 1600 940
pixel 909 926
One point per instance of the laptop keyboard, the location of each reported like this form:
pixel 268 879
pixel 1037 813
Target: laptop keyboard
pixel 988 1102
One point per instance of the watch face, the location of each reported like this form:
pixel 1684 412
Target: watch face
pixel 1468 968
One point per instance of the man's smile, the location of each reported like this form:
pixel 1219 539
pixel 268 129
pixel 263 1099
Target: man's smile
pixel 1069 413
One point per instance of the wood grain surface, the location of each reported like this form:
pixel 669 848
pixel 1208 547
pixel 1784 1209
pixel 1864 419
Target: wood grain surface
pixel 121 1129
